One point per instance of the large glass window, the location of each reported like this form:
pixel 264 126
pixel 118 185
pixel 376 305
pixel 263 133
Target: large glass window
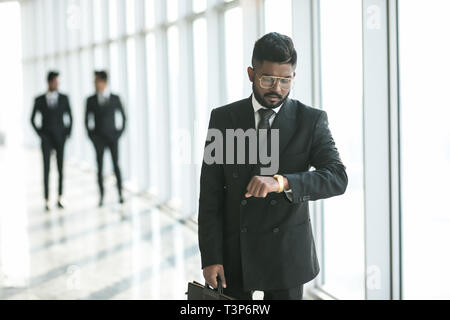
pixel 101 57
pixel 100 20
pixel 132 115
pixel 199 5
pixel 234 54
pixel 152 106
pixel 113 15
pixel 278 16
pixel 343 217
pixel 86 22
pixel 130 16
pixel 425 141
pixel 172 9
pixel 150 13
pixel 174 74
pixel 114 66
pixel 70 20
pixel 201 94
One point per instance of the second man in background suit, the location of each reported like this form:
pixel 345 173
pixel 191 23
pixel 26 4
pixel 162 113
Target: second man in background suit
pixel 100 120
pixel 53 106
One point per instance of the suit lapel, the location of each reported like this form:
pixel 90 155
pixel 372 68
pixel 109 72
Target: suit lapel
pixel 45 103
pixel 58 101
pixel 244 116
pixel 285 122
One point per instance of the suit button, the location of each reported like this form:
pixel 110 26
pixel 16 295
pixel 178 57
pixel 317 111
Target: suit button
pixel 273 202
pixel 243 229
pixel 244 202
pixel 275 230
pixel 235 175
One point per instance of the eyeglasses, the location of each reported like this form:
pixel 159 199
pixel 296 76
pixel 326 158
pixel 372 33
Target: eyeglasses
pixel 268 82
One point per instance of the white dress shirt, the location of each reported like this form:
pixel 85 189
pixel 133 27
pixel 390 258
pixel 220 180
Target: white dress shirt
pixel 102 97
pixel 256 107
pixel 52 98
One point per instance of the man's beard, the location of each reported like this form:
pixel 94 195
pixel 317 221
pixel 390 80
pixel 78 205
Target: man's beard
pixel 264 103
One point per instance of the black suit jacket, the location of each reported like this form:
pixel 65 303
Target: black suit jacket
pixel 267 243
pixel 52 117
pixel 104 117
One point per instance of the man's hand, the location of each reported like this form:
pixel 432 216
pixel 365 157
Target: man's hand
pixel 210 274
pixel 260 186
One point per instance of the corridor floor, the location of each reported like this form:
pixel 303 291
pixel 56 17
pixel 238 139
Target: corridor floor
pixel 130 251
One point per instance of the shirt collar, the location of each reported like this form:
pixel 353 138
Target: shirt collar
pixel 257 105
pixel 105 93
pixel 52 93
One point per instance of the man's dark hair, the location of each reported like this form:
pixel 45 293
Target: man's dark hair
pixel 274 47
pixel 101 75
pixel 52 75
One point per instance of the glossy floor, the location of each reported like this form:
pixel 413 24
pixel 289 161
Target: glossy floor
pixel 130 251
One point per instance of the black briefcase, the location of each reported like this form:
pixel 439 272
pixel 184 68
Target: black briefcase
pixel 197 291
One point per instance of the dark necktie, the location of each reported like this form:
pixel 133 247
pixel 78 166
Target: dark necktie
pixel 265 115
pixel 264 139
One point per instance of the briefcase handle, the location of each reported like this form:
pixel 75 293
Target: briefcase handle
pixel 219 286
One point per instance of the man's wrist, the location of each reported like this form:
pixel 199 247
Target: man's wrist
pixel 286 185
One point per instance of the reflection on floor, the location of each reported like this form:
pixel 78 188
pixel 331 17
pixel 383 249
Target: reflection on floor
pixel 133 251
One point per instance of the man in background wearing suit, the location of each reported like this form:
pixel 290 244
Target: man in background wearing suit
pixel 54 107
pixel 254 230
pixel 102 109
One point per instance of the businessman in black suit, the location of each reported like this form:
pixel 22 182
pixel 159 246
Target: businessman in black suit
pixel 254 229
pixel 100 120
pixel 54 108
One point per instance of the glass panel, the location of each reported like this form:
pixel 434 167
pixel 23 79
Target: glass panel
pixel 201 94
pixel 153 123
pixel 86 22
pixel 131 18
pixel 113 15
pixel 114 67
pixel 101 58
pixel 172 9
pixel 15 260
pixel 99 20
pixel 343 229
pixel 233 54
pixel 132 138
pixel 70 23
pixel 425 136
pixel 174 74
pixel 149 13
pixel 199 5
pixel 273 10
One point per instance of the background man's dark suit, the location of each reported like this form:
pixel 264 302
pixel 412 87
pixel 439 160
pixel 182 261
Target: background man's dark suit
pixel 105 134
pixel 267 243
pixel 53 133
